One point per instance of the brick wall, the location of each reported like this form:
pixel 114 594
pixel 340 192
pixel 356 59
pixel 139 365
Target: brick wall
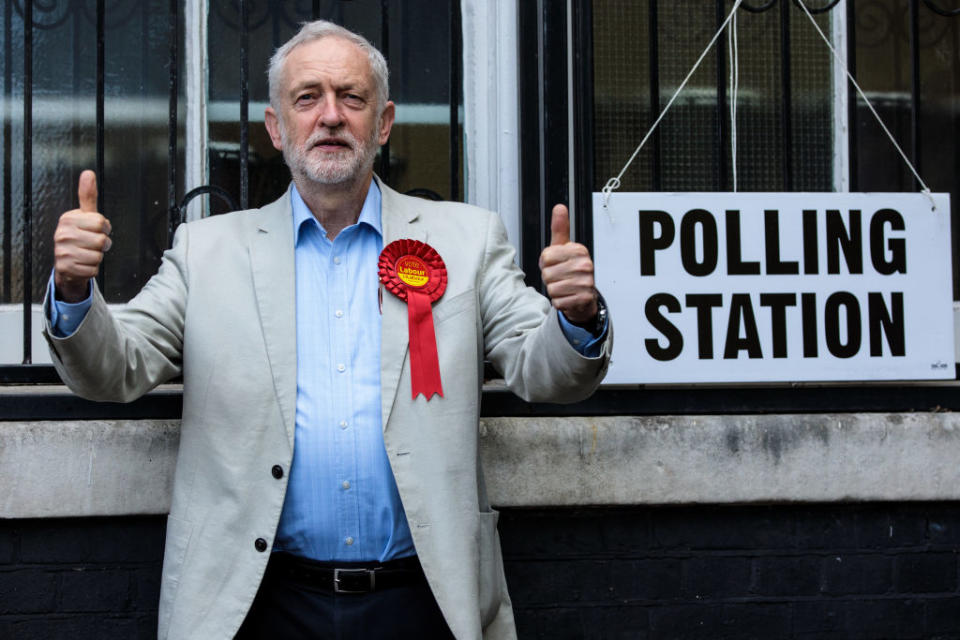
pixel 822 571
pixel 831 571
pixel 80 578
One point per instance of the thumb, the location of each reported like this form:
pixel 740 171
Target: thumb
pixel 559 226
pixel 87 191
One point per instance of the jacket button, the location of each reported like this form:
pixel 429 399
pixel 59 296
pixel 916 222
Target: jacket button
pixel 277 471
pixel 260 544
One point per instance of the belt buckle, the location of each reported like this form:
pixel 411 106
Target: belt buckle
pixel 353 572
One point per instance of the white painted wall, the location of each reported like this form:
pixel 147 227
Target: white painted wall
pixel 492 109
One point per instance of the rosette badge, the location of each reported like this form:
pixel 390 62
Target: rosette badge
pixel 414 272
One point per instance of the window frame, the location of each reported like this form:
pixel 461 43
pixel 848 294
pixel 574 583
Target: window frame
pixel 545 179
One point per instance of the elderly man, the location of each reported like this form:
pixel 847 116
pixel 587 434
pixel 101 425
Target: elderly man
pixel 331 346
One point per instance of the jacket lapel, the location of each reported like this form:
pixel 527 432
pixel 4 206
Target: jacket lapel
pixel 399 220
pixel 273 268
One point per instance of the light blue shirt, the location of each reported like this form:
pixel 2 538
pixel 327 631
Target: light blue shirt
pixel 342 501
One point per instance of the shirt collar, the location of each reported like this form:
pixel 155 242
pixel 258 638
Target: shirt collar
pixel 369 214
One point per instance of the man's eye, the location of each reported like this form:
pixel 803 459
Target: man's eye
pixel 304 97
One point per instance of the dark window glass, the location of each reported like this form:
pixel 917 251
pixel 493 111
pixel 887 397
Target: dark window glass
pixel 62 86
pixel 419 60
pixel 689 134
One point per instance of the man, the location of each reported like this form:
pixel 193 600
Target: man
pixel 314 496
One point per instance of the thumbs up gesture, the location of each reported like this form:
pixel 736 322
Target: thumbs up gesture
pixel 81 238
pixel 567 271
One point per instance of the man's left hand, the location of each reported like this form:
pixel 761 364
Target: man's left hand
pixel 567 271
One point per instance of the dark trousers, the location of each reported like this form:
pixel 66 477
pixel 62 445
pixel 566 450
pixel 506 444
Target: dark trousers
pixel 291 606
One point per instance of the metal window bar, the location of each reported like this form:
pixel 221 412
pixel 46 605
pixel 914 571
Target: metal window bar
pixel 244 104
pixel 915 156
pixel 786 97
pixel 173 85
pixel 852 96
pixel 722 129
pixel 385 50
pixel 27 181
pixel 101 177
pixel 653 38
pixel 7 293
pixel 176 207
pixel 456 88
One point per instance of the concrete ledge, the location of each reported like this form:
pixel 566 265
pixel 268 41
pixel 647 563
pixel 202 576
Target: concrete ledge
pixel 87 468
pixel 723 459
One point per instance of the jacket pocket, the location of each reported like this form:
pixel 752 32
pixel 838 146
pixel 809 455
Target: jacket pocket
pixel 174 551
pixel 491 567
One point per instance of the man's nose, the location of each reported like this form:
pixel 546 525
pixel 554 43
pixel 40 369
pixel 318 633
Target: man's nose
pixel 330 115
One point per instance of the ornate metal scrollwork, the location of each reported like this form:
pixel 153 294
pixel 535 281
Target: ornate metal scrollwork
pixel 428 194
pixel 746 6
pixel 878 22
pixel 47 14
pixel 222 194
pixel 279 12
pixel 50 14
pixel 946 13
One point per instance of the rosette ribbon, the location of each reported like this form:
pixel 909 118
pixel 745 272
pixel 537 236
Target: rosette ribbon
pixel 414 272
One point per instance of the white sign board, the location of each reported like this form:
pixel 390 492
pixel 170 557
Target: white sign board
pixel 776 287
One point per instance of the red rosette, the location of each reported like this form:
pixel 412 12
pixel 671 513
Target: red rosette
pixel 390 257
pixel 414 272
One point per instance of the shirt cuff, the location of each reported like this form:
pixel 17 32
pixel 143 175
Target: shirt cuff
pixel 581 339
pixel 65 317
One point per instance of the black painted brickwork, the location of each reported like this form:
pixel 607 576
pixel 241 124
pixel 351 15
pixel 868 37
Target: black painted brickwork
pixel 80 578
pixel 822 571
pixel 805 571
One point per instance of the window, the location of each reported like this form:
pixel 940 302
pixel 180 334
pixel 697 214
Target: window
pixel 119 86
pixel 591 73
pixel 794 131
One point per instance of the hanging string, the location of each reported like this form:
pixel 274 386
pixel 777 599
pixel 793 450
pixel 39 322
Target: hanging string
pixel 733 49
pixel 614 183
pixel 925 189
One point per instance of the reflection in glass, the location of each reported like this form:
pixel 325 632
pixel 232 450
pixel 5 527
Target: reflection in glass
pixel 133 184
pixel 419 60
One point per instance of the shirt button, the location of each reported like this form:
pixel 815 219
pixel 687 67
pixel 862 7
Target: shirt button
pixel 341 368
pixel 343 424
pixel 277 471
pixel 349 541
pixel 339 313
pixel 336 260
pixel 346 484
pixel 260 545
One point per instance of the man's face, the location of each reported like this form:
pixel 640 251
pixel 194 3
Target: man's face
pixel 327 123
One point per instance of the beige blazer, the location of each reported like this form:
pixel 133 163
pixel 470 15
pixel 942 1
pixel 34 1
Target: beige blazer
pixel 220 311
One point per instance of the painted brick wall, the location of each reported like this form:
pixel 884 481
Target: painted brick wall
pixel 822 571
pixel 80 578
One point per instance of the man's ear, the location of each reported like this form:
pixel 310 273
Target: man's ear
pixel 386 121
pixel 272 123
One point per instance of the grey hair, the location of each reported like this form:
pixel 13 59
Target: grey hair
pixel 317 30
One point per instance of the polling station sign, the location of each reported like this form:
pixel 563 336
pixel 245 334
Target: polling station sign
pixel 776 287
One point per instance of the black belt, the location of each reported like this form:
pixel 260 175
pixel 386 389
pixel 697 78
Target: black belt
pixel 346 577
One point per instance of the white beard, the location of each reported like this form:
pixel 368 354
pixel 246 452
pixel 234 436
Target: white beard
pixel 343 166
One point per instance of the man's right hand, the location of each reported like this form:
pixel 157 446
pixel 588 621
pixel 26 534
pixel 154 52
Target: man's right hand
pixel 81 239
